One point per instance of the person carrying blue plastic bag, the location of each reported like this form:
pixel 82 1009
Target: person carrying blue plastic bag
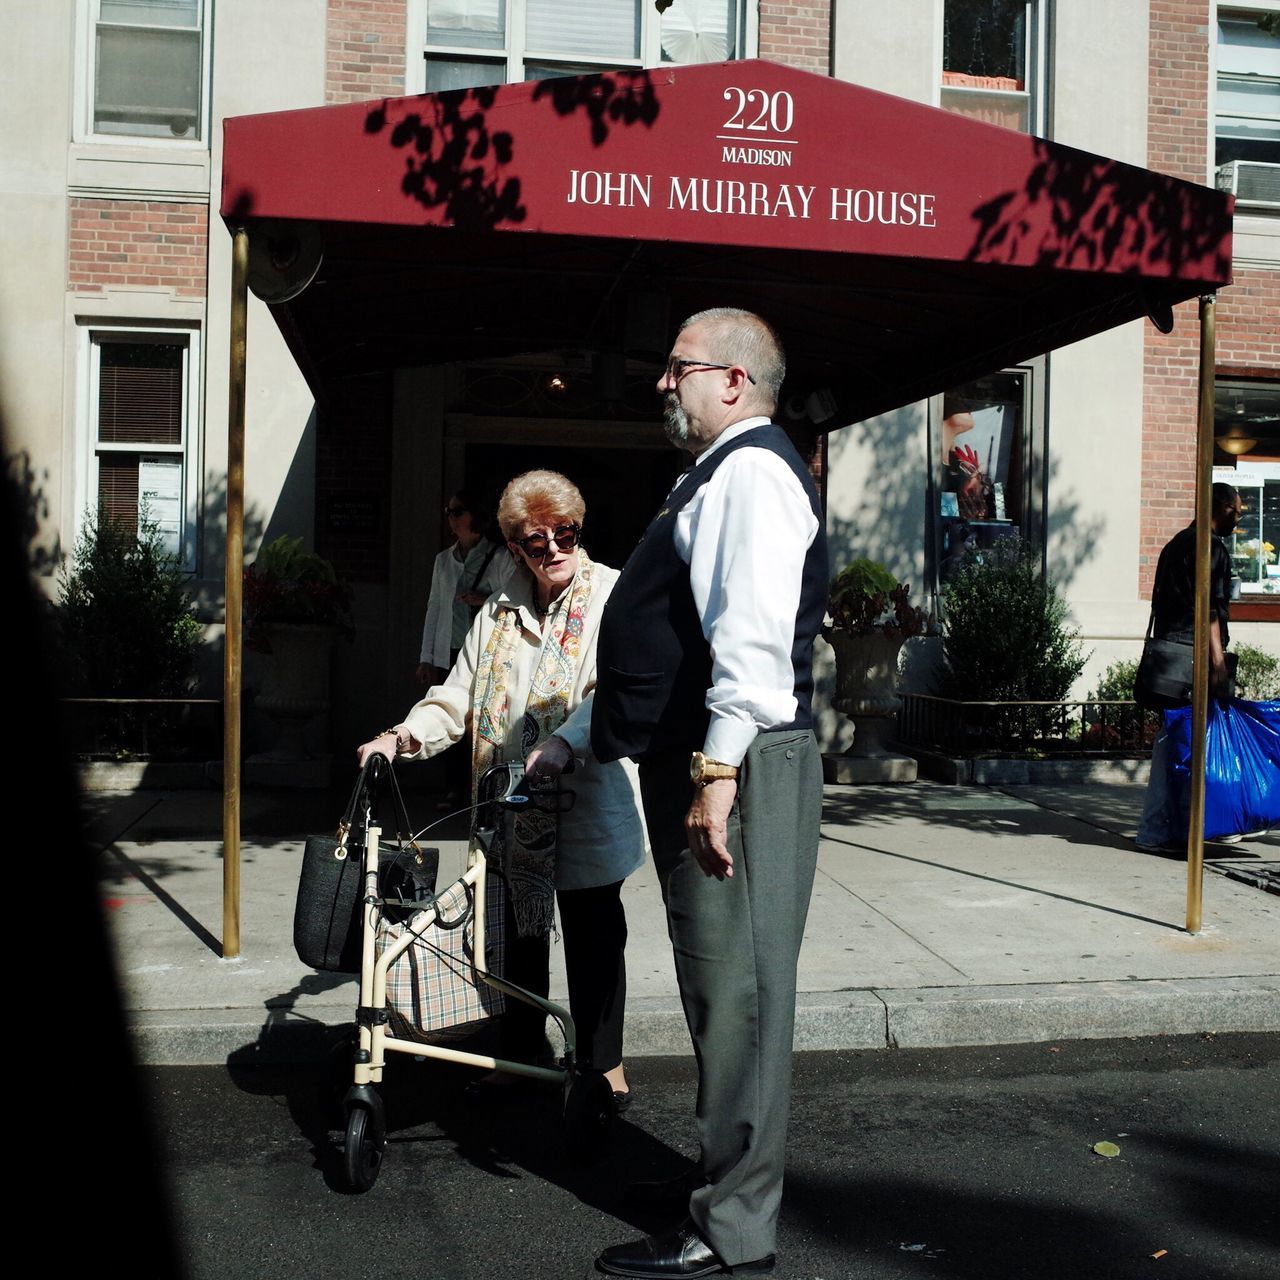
pixel 1163 827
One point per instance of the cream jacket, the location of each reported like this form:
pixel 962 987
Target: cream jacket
pixel 602 836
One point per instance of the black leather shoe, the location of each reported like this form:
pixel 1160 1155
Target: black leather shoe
pixel 681 1252
pixel 621 1100
pixel 665 1193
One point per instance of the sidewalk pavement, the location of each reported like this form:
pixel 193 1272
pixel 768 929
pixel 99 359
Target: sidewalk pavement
pixel 941 915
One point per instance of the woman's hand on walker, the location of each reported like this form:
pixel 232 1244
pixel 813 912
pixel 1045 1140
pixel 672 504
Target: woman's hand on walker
pixel 549 759
pixel 384 743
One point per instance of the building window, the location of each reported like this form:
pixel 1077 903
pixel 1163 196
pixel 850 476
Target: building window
pixel 1247 106
pixel 1247 436
pixel 146 69
pixel 989 470
pixel 991 60
pixel 140 415
pixel 467 43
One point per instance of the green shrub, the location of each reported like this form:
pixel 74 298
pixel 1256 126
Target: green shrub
pixel 1257 674
pixel 1116 684
pixel 1116 728
pixel 124 615
pixel 1005 636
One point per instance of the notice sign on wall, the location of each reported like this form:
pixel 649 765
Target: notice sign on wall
pixel 160 498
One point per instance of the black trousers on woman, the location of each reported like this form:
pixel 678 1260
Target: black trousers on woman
pixel 594 925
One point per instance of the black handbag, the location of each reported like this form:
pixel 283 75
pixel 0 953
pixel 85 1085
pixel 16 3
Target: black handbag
pixel 326 917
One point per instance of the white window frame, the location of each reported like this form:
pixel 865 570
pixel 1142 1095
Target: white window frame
pixel 1227 8
pixel 86 17
pixel 1037 64
pixel 514 52
pixel 92 335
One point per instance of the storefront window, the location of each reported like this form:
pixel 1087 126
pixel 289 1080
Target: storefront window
pixel 983 490
pixel 989 61
pixel 1247 436
pixel 1256 541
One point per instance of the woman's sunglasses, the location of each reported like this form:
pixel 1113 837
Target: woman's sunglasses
pixel 537 546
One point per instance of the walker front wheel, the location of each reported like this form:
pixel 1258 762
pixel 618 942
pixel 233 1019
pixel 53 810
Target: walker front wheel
pixel 365 1143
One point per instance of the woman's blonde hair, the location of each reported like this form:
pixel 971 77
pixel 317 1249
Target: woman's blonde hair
pixel 539 498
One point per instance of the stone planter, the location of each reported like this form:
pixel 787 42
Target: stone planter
pixel 295 700
pixel 867 692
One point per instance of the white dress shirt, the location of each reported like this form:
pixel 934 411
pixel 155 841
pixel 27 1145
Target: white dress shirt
pixel 744 535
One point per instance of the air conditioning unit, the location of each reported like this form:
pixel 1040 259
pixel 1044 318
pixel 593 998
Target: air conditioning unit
pixel 1252 182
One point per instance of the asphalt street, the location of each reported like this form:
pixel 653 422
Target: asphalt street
pixel 976 1163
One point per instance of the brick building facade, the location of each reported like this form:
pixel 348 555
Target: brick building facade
pixel 1247 314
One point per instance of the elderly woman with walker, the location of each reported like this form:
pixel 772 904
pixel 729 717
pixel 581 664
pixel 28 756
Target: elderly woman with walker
pixel 522 683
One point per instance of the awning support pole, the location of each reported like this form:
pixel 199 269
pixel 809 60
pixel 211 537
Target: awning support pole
pixel 234 592
pixel 1200 677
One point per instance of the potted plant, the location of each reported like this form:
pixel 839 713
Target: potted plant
pixel 871 618
pixel 295 603
pixel 289 586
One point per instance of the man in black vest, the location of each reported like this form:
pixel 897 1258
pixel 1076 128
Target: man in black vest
pixel 705 678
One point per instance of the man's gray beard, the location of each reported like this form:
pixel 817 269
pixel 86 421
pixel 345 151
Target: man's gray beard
pixel 675 423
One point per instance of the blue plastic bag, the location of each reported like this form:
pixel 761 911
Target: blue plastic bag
pixel 1241 766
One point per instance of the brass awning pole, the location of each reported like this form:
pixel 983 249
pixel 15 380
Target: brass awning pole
pixel 1200 669
pixel 232 670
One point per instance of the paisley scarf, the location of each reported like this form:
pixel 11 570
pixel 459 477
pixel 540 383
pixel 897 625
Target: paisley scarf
pixel 534 832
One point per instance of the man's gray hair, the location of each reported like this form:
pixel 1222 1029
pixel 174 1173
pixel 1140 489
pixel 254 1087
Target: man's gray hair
pixel 742 337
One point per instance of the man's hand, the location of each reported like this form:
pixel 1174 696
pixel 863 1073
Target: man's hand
pixel 707 824
pixel 1219 674
pixel 427 674
pixel 548 760
pixel 1219 680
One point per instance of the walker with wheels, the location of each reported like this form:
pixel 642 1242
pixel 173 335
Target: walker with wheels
pixel 588 1106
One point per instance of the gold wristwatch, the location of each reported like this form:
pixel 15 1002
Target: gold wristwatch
pixel 702 770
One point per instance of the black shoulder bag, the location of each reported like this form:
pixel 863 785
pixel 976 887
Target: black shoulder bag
pixel 1163 679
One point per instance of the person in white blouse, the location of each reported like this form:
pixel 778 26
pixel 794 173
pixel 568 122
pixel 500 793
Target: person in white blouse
pixel 465 573
pixel 705 678
pixel 523 681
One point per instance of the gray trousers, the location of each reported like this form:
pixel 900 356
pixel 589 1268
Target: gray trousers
pixel 736 943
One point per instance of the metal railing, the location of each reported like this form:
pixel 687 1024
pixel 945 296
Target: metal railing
pixel 1089 727
pixel 146 728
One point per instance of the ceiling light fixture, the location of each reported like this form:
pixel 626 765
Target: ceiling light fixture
pixel 1234 441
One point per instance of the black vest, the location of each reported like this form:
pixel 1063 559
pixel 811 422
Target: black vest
pixel 653 663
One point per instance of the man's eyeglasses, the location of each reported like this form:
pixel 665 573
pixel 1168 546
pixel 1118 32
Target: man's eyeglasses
pixel 537 546
pixel 455 511
pixel 677 368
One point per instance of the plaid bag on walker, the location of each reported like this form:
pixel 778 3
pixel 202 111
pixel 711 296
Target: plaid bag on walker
pixel 433 989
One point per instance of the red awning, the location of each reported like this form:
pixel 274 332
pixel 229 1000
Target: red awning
pixel 898 248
